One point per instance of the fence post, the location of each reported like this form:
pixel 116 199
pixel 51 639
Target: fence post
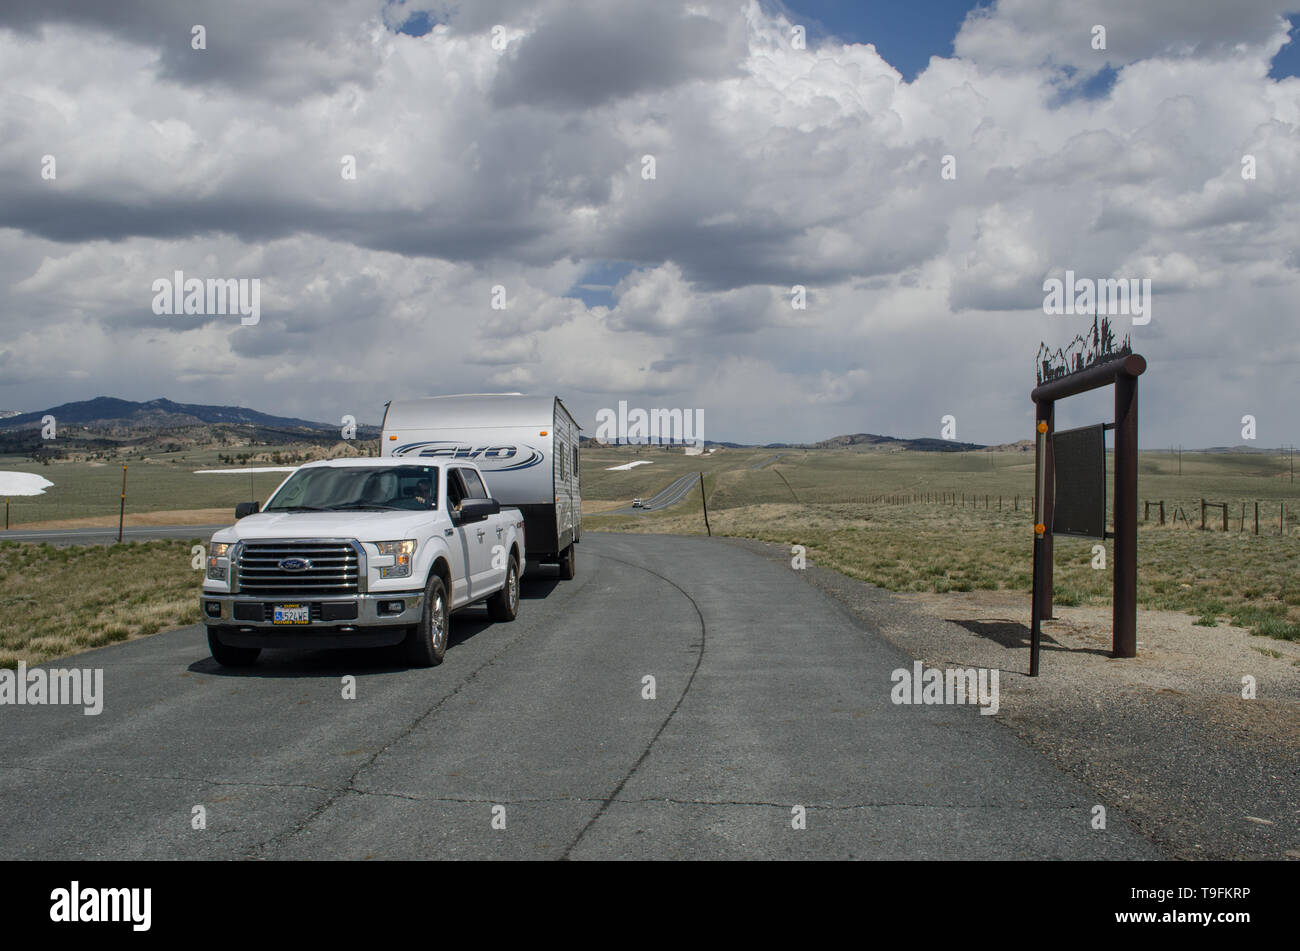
pixel 1257 516
pixel 1243 517
pixel 1225 516
pixel 704 500
pixel 1162 511
pixel 1146 511
pixel 1281 518
pixel 1202 514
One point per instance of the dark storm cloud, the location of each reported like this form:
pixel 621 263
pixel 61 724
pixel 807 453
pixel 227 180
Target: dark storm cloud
pixel 589 54
pixel 289 49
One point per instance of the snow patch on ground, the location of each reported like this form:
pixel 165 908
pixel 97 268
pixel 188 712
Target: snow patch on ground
pixel 23 483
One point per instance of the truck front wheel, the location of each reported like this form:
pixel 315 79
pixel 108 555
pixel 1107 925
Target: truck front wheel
pixel 426 643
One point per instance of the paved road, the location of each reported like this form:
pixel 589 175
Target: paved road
pixel 674 493
pixel 769 695
pixel 108 536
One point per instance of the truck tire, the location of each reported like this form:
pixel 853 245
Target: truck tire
pixel 228 656
pixel 568 563
pixel 426 643
pixel 504 605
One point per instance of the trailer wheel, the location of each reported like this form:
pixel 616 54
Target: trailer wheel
pixel 504 605
pixel 568 563
pixel 228 656
pixel 426 643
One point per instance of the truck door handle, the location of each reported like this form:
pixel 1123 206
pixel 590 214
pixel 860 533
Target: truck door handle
pixel 448 531
pixel 480 534
pixel 499 531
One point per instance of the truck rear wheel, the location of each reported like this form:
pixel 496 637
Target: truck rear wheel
pixel 504 605
pixel 426 643
pixel 228 656
pixel 568 563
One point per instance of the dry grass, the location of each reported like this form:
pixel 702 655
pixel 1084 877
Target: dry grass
pixel 1216 576
pixel 58 601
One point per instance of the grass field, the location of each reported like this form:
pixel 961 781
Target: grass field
pixel 58 601
pixel 165 482
pixel 823 500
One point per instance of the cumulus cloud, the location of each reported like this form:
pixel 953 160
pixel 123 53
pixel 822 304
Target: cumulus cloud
pixel 921 217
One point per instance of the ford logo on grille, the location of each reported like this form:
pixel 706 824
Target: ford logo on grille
pixel 295 564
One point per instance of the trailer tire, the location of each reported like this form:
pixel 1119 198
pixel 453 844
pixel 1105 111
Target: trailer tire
pixel 504 605
pixel 568 563
pixel 228 656
pixel 426 643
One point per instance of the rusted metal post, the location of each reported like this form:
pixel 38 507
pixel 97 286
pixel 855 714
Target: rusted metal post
pixel 121 515
pixel 1045 412
pixel 705 502
pixel 1124 599
pixel 1162 511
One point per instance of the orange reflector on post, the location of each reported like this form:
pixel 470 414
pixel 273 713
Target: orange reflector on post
pixel 1042 426
pixel 1040 528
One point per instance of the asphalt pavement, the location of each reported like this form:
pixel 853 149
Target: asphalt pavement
pixel 542 739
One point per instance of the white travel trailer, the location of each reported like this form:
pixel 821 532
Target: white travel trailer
pixel 526 447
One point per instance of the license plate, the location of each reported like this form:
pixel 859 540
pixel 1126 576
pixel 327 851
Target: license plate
pixel 291 614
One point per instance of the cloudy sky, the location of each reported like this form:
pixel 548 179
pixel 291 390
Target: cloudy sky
pixel 503 144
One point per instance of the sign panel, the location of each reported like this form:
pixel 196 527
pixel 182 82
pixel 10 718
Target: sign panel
pixel 1080 463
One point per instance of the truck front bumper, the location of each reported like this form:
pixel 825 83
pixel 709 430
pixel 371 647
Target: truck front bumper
pixel 357 620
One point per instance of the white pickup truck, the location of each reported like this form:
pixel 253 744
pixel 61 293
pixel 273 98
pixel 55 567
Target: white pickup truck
pixel 359 553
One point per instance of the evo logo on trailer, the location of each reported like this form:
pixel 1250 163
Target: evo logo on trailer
pixel 488 458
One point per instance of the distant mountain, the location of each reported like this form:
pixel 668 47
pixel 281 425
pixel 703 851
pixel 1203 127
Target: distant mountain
pixel 873 441
pixel 105 411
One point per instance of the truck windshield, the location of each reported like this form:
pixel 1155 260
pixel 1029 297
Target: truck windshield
pixel 342 488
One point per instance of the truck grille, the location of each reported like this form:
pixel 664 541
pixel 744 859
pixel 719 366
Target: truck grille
pixel 334 569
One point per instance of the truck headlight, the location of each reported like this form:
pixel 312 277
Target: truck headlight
pixel 216 570
pixel 403 553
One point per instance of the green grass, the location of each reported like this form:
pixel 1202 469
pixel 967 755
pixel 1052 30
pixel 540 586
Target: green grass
pixel 166 482
pixel 58 601
pixel 1248 579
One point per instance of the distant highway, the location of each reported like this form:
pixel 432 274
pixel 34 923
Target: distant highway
pixel 673 494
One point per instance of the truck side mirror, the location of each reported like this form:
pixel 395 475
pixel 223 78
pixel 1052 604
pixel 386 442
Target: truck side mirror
pixel 247 508
pixel 475 510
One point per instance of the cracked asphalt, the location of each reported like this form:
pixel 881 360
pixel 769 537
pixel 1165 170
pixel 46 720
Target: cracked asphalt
pixel 535 740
